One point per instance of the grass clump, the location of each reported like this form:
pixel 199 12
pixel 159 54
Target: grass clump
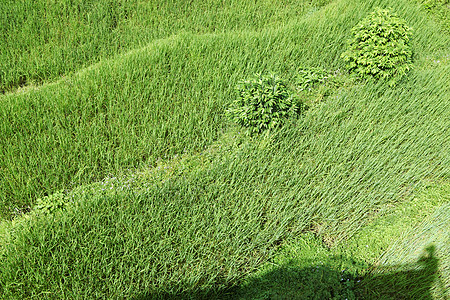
pixel 380 47
pixel 264 102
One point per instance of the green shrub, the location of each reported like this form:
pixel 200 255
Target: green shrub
pixel 264 102
pixel 380 47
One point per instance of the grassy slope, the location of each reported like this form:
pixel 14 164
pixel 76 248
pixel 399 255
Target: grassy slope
pixel 348 157
pixel 370 264
pixel 424 246
pixel 47 39
pixel 237 208
pixel 166 97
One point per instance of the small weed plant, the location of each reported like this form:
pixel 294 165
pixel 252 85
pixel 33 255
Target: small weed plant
pixel 314 85
pixel 308 78
pixel 263 102
pixel 51 203
pixel 380 47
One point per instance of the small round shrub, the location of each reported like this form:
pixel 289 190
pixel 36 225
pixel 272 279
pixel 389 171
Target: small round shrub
pixel 308 78
pixel 263 102
pixel 380 47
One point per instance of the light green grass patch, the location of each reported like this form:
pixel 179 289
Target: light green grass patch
pixel 46 40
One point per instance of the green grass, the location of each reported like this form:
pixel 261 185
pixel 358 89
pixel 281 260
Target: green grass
pixel 166 199
pixel 440 10
pixel 417 261
pixel 379 262
pixel 44 40
pixel 227 216
pixel 159 100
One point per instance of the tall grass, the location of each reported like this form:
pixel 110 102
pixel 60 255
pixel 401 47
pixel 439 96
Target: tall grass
pixel 200 232
pixel 159 100
pixel 42 40
pixel 156 101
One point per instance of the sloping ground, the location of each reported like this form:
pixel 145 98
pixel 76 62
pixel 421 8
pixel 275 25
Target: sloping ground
pixel 43 40
pixel 203 224
pixel 426 250
pixel 163 99
pixel 150 103
pixel 402 254
pixel 327 172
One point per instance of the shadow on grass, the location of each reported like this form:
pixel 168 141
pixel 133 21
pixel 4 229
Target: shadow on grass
pixel 328 281
pixel 407 281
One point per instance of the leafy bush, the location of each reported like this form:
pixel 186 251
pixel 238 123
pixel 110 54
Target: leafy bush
pixel 380 47
pixel 264 102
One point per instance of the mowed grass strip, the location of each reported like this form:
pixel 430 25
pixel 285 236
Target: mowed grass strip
pixel 42 40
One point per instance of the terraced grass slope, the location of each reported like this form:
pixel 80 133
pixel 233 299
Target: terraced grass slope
pixel 198 225
pixel 147 104
pixel 160 100
pixel 42 40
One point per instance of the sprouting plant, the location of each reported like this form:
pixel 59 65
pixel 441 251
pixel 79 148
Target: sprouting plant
pixel 380 47
pixel 307 78
pixel 51 203
pixel 263 102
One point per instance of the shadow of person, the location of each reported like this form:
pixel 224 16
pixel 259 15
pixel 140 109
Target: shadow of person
pixel 312 280
pixel 288 281
pixel 402 281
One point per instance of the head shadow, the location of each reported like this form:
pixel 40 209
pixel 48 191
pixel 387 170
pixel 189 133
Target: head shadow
pixel 336 278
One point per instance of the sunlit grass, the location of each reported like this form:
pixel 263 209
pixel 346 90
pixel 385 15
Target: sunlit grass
pixel 42 40
pixel 168 199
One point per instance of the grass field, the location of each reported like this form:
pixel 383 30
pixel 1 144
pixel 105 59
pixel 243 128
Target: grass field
pixel 165 198
pixel 49 39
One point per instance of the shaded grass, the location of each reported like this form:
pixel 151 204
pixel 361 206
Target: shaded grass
pixel 330 278
pixel 379 262
pixel 432 233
